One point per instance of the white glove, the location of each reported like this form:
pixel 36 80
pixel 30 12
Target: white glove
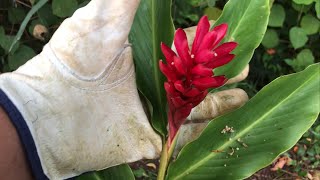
pixel 78 98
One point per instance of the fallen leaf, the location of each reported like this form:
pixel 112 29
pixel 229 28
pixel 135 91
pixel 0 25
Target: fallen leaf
pixel 39 32
pixel 316 175
pixel 152 165
pixel 280 163
pixel 271 51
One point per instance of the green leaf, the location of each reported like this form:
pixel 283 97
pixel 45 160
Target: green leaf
pixel 46 16
pixel 2 32
pixel 20 57
pixel 247 20
pixel 84 3
pixel 271 39
pixel 5 41
pixel 303 60
pixel 271 3
pixel 268 125
pixel 33 1
pixel 289 62
pixel 16 15
pixel 121 172
pixel 6 68
pixel 277 16
pixel 63 8
pixel 152 25
pixel 213 13
pixel 305 2
pixel 139 173
pixel 211 3
pixel 301 7
pixel 310 24
pixel 194 2
pixel 298 37
pixel 317 7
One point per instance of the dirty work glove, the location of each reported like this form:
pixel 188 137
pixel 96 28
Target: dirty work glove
pixel 75 106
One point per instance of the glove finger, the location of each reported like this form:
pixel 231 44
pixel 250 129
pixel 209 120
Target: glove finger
pixel 188 133
pixel 89 40
pixel 218 103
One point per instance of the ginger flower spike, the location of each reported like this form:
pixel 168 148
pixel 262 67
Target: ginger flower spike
pixel 190 72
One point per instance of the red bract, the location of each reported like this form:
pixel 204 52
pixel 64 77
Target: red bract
pixel 190 73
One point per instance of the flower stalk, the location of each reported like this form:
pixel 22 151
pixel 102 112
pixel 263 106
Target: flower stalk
pixel 189 74
pixel 166 155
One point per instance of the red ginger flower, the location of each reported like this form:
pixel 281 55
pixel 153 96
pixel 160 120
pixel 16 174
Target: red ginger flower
pixel 190 73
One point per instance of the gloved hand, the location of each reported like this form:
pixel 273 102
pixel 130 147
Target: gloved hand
pixel 75 105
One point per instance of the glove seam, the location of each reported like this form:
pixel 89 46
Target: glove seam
pixel 100 77
pixel 109 86
pixel 88 84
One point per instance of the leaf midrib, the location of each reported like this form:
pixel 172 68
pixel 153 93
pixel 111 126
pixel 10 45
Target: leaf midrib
pixel 96 176
pixel 242 132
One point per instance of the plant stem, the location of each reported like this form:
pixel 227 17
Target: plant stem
pixel 165 157
pixel 163 162
pixel 300 14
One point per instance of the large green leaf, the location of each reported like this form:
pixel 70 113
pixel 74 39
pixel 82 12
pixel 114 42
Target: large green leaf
pixel 248 20
pixel 268 125
pixel 121 172
pixel 152 25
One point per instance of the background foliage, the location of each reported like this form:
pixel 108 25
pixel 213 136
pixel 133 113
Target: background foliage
pixel 291 43
pixel 37 32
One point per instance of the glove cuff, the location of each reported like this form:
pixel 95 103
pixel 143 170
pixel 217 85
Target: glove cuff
pixel 24 135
